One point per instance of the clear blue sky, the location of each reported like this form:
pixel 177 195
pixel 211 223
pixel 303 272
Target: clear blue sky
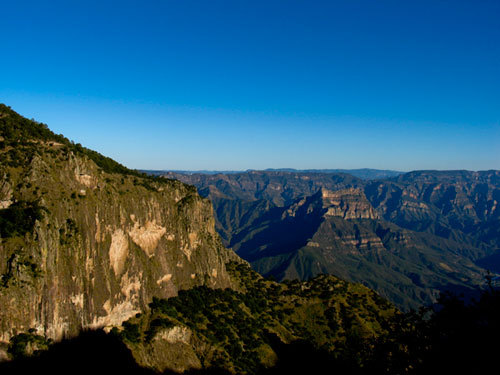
pixel 236 84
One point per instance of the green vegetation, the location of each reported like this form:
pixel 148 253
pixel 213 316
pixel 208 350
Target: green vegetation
pixel 27 344
pixel 19 218
pixel 246 328
pixel 68 232
pixel 20 136
pixel 130 332
pixel 325 323
pixel 455 337
pixel 16 262
pixel 15 128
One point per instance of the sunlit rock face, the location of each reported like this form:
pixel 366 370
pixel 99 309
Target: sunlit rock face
pixel 94 259
pixel 348 204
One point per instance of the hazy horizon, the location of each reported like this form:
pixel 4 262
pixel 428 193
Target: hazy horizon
pixel 306 169
pixel 225 85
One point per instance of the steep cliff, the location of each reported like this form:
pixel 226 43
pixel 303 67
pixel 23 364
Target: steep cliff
pixel 348 204
pixel 87 243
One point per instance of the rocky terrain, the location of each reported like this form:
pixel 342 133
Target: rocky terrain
pixel 245 332
pixel 458 205
pixel 107 269
pixel 409 237
pixel 86 243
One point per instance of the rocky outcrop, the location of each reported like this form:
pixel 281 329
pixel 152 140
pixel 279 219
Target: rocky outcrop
pixel 5 193
pixel 175 349
pixel 105 244
pixel 348 204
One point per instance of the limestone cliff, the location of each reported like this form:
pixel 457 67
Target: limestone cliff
pixel 97 245
pixel 348 204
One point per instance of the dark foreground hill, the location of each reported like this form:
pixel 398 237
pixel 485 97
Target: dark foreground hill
pixel 453 337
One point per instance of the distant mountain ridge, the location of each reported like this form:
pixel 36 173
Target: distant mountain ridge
pixel 363 173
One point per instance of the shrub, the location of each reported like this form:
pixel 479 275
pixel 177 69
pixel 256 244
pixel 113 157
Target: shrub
pixel 19 218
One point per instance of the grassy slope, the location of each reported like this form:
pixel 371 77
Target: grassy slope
pixel 243 329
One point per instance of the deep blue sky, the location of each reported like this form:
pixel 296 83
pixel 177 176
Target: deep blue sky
pixel 255 84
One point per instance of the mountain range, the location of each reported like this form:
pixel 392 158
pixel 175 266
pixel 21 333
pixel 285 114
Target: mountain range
pixel 363 173
pixel 88 246
pixel 105 269
pixel 409 236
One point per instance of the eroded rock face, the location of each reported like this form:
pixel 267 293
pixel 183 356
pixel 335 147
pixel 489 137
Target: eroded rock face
pixel 348 204
pixel 5 193
pixel 96 259
pixel 118 251
pixel 175 349
pixel 148 236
